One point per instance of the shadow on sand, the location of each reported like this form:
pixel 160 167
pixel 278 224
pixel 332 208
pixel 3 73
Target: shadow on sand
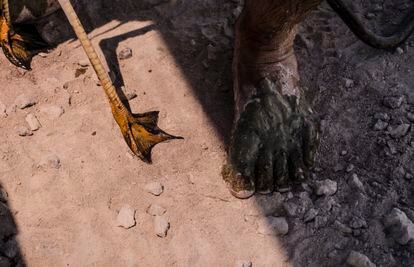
pixel 9 249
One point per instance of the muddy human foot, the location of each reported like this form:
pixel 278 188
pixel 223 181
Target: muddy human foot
pixel 275 134
pixel 274 140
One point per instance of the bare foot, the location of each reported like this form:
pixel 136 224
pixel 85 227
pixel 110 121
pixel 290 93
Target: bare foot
pixel 275 135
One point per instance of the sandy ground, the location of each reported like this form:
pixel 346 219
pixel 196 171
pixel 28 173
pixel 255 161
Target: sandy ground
pixel 66 211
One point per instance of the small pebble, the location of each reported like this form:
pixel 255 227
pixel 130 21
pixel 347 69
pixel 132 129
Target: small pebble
pixel 290 208
pixel 11 109
pixel 3 109
pixel 325 203
pixel 338 167
pixel 349 83
pixel 410 116
pixel 356 259
pixel 400 227
pixel 399 131
pixel 357 223
pixel 393 102
pixel 356 183
pixel 342 228
pixel 24 101
pixel 350 168
pixel 326 187
pixel 83 63
pixel 126 217
pixel 50 161
pixel 156 210
pixel 370 15
pixel 243 263
pixel 130 95
pixel 125 53
pixel 310 215
pixel 380 125
pixel 273 226
pixel 344 152
pixel 284 189
pixel 33 122
pixel 52 112
pixel 399 51
pixel 408 176
pixel 161 226
pixel 382 116
pixel 398 173
pixel 24 131
pixel 155 188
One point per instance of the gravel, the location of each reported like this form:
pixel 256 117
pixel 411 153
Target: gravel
pixel 356 259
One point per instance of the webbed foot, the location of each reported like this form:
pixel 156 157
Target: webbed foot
pixel 20 44
pixel 142 133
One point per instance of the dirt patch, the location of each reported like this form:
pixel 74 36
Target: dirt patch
pixel 67 180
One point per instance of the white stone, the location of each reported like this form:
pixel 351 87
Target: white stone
pixel 33 122
pixel 161 226
pixel 401 227
pixel 310 215
pixel 24 131
pixel 356 183
pixel 126 217
pixel 326 187
pixel 155 188
pixel 83 63
pixel 24 101
pixel 156 210
pixel 273 226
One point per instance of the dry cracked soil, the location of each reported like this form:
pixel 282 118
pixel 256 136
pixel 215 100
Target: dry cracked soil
pixel 73 195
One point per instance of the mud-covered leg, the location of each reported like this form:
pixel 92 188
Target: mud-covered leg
pixel 275 135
